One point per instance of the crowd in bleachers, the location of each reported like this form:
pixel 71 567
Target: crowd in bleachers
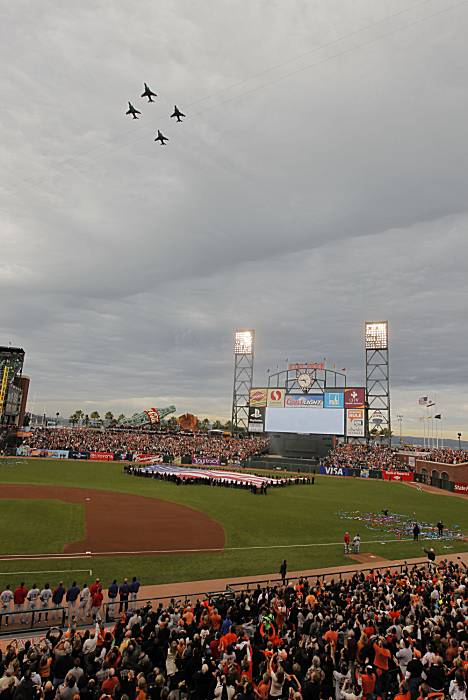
pixel 395 636
pixel 376 456
pixel 123 441
pixel 446 455
pixel 372 456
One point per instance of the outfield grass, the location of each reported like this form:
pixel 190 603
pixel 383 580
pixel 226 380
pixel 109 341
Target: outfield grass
pixel 41 527
pixel 300 515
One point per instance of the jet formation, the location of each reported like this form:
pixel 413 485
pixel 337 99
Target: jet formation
pixel 133 112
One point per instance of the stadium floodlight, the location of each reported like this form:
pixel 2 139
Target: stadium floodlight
pixel 376 335
pixel 244 342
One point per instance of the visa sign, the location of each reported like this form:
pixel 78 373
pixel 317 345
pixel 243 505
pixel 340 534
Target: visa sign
pixel 334 471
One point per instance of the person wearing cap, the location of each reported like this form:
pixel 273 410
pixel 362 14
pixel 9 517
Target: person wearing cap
pixel 58 594
pixel 346 540
pixel 124 592
pixel 367 680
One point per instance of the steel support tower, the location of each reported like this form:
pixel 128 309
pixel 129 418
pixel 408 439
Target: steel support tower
pixel 244 344
pixel 378 380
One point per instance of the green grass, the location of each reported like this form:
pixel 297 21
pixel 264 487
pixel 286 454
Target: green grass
pixel 290 516
pixel 40 526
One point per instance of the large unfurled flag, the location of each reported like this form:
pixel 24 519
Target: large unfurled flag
pixel 439 416
pixel 423 400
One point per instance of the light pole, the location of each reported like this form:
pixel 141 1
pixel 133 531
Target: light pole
pixel 459 438
pixel 400 420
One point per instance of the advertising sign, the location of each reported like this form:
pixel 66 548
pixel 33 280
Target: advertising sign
pixel 397 476
pixel 275 397
pixel 297 400
pixel 306 365
pixel 411 461
pixel 377 417
pixel 102 456
pixel 460 488
pixel 334 471
pixel 333 399
pixel 258 397
pixel 141 457
pixel 355 425
pixel 364 473
pixel 207 461
pixel 76 454
pixel 355 397
pixel 256 419
pixel 48 454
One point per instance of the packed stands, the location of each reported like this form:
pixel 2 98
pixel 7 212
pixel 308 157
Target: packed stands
pixel 177 445
pixel 398 636
pixel 370 456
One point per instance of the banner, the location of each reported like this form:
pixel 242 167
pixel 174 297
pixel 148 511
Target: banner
pixel 76 454
pixel 298 400
pixel 397 476
pixel 334 471
pixel 275 397
pixel 258 397
pixel 48 454
pixel 101 456
pixel 355 424
pixel 355 397
pixel 333 399
pixel 364 474
pixel 140 457
pixel 256 419
pixel 458 487
pixel 207 461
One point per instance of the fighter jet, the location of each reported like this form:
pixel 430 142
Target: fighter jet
pixel 148 93
pixel 132 111
pixel 161 138
pixel 177 114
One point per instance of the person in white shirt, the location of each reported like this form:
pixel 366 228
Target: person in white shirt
pixel 32 597
pixel 6 598
pixel 404 655
pixel 83 607
pixel 45 596
pixel 457 687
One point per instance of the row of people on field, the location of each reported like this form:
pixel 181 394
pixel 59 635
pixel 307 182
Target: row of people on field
pixel 80 603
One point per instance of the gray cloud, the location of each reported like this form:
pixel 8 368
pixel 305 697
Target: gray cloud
pixel 301 207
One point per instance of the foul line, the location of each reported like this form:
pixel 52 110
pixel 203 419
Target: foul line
pixel 87 555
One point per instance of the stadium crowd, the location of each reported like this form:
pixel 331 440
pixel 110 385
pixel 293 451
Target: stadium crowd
pixel 124 442
pixel 395 636
pixel 370 456
pixel 375 456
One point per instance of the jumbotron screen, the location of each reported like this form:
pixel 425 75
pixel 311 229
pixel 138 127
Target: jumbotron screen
pixel 303 419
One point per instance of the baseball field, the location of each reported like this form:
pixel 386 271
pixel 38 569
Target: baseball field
pixel 67 518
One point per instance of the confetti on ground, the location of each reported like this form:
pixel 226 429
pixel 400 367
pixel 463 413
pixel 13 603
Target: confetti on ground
pixel 399 525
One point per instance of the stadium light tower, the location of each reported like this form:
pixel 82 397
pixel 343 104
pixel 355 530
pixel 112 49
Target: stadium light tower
pixel 244 344
pixel 378 377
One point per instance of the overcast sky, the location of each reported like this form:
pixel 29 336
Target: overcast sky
pixel 320 179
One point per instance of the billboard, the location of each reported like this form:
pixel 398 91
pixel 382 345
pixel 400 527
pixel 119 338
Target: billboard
pixel 355 397
pixel 334 471
pixel 298 400
pixel 333 399
pixel 256 419
pixel 304 420
pixel 258 397
pixel 355 424
pixel 275 397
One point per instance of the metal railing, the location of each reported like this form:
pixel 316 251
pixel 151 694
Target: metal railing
pixel 41 619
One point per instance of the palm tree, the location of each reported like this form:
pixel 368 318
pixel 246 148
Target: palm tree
pixel 121 417
pixel 205 424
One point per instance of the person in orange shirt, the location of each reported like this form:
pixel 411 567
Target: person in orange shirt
pixel 382 655
pixel 215 620
pixel 227 639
